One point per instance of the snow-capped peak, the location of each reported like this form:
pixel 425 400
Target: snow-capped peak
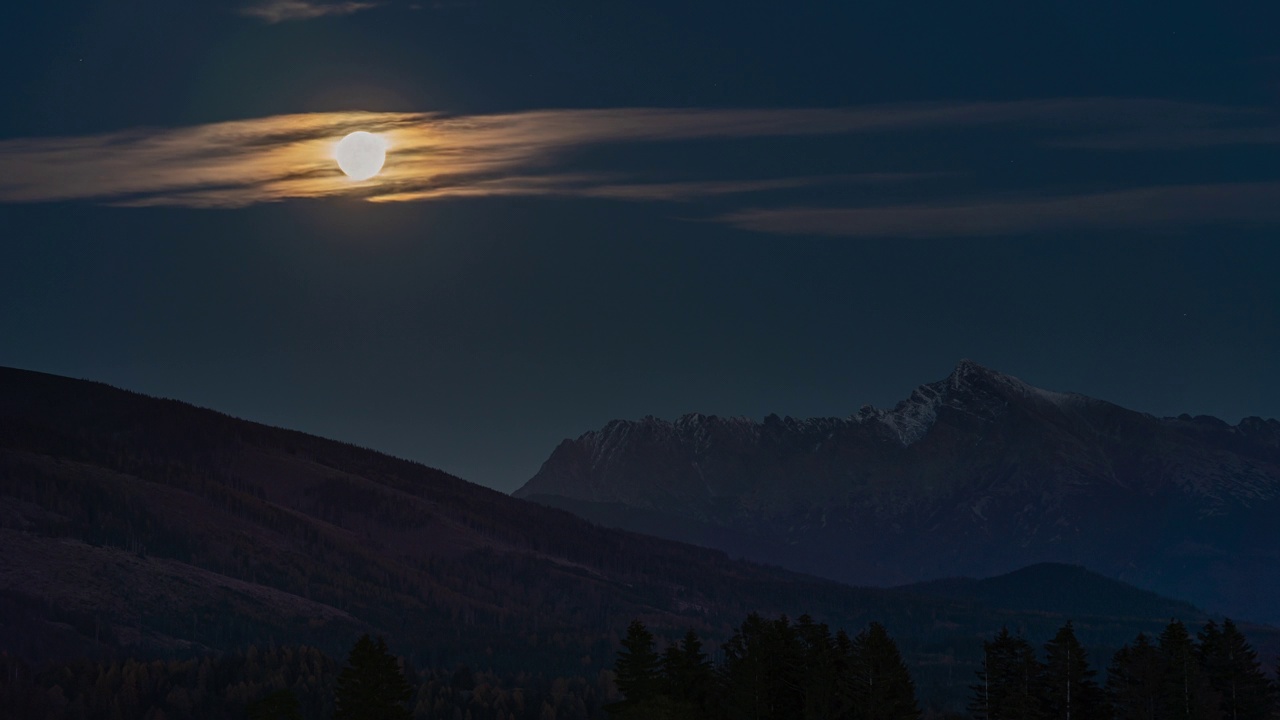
pixel 911 419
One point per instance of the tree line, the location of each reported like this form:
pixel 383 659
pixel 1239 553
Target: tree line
pixel 1214 675
pixel 776 669
pixel 770 670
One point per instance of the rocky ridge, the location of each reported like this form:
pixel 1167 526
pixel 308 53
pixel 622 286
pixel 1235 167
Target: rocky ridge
pixel 977 473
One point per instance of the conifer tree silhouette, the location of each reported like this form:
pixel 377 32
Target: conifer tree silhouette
pixel 1134 680
pixel 371 686
pixel 641 678
pixel 637 666
pixel 688 676
pixel 1068 690
pixel 1008 683
pixel 1231 666
pixel 883 689
pixel 824 663
pixel 1185 693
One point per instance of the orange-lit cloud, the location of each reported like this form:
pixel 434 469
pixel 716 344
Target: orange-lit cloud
pixel 240 163
pixel 431 156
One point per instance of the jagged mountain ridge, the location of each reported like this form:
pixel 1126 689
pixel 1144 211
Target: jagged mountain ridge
pixel 976 474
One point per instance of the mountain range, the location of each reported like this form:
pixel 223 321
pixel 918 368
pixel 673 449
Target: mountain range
pixel 977 474
pixel 135 526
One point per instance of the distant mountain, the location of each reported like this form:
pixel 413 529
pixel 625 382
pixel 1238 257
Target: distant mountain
pixel 1068 590
pixel 136 526
pixel 977 474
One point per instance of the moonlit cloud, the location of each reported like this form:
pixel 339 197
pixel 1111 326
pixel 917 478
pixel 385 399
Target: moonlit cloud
pixel 224 164
pixel 433 156
pixel 274 11
pixel 430 156
pixel 1162 207
pixel 611 187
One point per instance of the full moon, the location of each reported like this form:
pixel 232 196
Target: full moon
pixel 361 155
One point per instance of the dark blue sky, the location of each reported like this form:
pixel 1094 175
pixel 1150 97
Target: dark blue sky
pixel 1081 195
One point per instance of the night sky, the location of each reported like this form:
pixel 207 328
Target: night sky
pixel 609 210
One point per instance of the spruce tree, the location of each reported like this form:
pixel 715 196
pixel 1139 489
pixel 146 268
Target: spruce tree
pixel 882 686
pixel 744 672
pixel 1275 688
pixel 371 686
pixel 1007 687
pixel 845 682
pixel 1134 681
pixel 698 673
pixel 821 669
pixel 1067 688
pixel 687 677
pixel 670 672
pixel 1232 669
pixel 785 653
pixel 637 666
pixel 761 671
pixel 1185 693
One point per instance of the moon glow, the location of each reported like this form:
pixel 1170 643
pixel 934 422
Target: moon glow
pixel 361 155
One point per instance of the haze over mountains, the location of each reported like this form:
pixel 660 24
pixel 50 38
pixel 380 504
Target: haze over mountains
pixel 137 526
pixel 976 474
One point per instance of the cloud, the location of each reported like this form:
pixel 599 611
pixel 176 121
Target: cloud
pixel 274 11
pixel 685 191
pixel 1161 207
pixel 430 156
pixel 614 188
pixel 433 156
pixel 1176 138
pixel 223 164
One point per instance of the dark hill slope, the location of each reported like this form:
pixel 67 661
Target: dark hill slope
pixel 163 524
